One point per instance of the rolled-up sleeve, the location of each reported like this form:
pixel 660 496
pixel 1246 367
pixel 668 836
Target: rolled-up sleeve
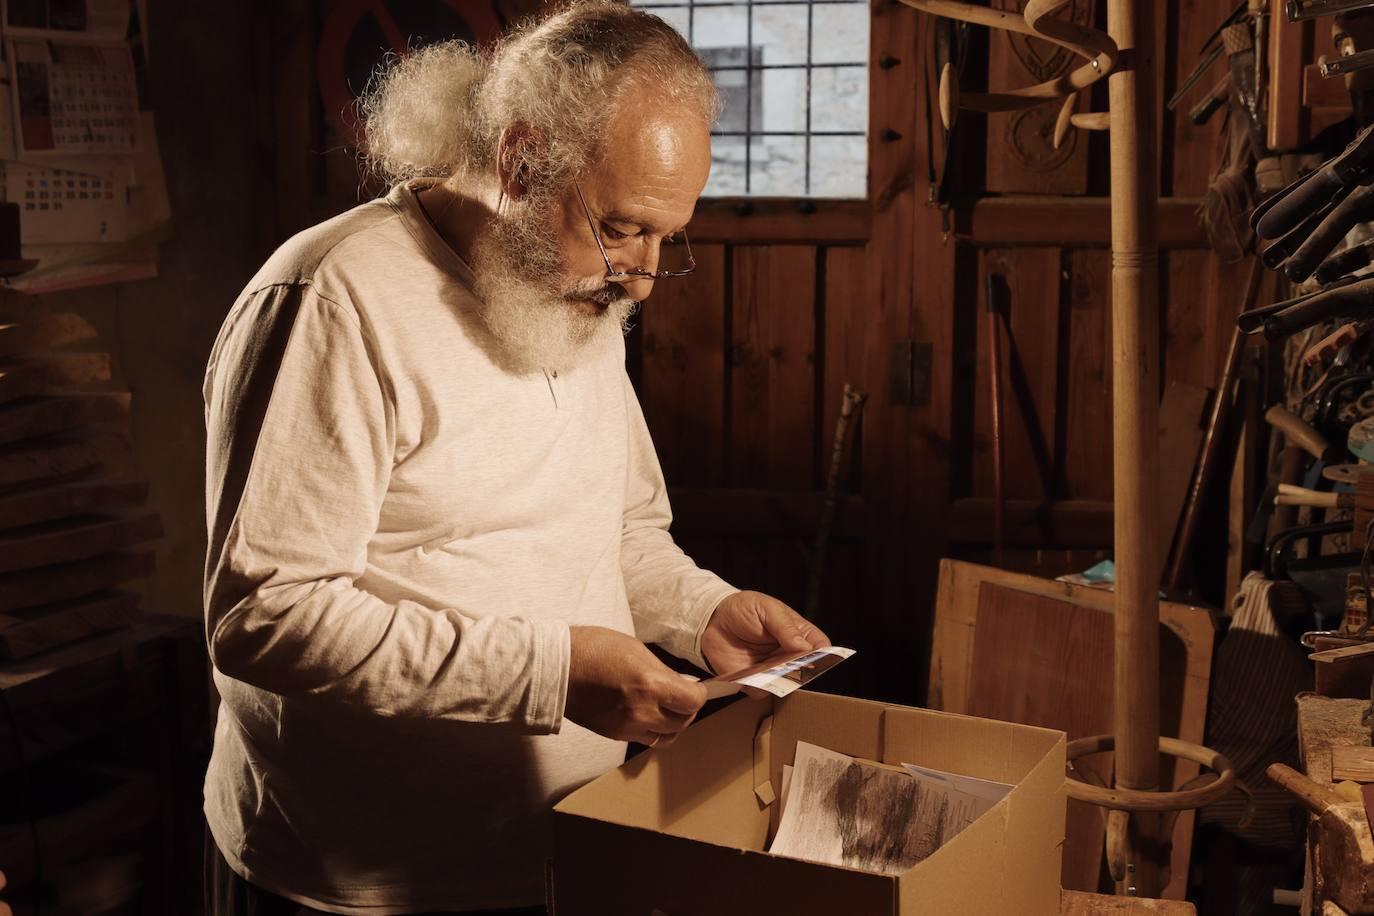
pixel 300 437
pixel 671 598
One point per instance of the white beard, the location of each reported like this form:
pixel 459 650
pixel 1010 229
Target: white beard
pixel 535 325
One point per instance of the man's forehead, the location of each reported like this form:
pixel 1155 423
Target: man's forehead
pixel 653 160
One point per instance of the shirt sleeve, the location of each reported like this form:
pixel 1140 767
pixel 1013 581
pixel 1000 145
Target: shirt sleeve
pixel 671 598
pixel 300 439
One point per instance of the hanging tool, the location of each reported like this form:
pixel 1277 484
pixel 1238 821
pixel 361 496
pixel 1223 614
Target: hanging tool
pixel 851 406
pixel 1298 432
pixel 1209 458
pixel 1300 10
pixel 993 305
pixel 1239 41
pixel 1320 207
pixel 1293 495
pixel 1211 50
pixel 1330 346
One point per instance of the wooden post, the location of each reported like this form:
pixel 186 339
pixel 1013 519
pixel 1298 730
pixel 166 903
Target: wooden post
pixel 1135 384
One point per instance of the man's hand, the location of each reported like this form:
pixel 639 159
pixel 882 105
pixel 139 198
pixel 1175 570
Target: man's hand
pixel 747 627
pixel 618 689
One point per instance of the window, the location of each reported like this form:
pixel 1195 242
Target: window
pixel 793 80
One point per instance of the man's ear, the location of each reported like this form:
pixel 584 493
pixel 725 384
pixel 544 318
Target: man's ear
pixel 513 154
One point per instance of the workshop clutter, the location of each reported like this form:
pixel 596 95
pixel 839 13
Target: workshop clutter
pixel 684 830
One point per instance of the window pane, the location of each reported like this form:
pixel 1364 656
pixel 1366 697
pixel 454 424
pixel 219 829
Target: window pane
pixel 839 99
pixel 841 33
pixel 675 16
pixel 839 166
pixel 781 102
pixel 727 167
pixel 781 32
pixel 778 167
pixel 722 27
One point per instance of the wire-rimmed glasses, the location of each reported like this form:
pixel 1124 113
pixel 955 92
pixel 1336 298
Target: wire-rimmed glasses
pixel 634 273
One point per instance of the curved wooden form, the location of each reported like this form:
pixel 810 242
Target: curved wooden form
pixel 1070 118
pixel 1121 799
pixel 1038 21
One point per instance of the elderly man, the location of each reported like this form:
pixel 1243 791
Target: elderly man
pixel 438 529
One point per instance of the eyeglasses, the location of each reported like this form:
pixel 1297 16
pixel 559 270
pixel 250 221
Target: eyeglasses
pixel 634 273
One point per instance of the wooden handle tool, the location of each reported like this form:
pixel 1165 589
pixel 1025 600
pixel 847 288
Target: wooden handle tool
pixel 1293 495
pixel 1317 798
pixel 1299 432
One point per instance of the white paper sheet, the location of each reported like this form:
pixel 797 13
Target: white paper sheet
pixel 842 811
pixel 779 675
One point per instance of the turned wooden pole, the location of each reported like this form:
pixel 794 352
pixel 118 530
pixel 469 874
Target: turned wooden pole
pixel 1135 439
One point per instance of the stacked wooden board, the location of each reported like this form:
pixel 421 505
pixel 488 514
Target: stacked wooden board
pixel 72 532
pixel 1040 652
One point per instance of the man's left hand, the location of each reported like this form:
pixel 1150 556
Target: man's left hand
pixel 747 627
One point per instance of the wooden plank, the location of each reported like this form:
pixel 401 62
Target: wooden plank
pixel 47 375
pixel 1353 763
pixel 1345 672
pixel 54 457
pixel 1187 317
pixel 67 581
pixel 774 220
pixel 683 387
pixel 101 497
pixel 889 619
pixel 846 319
pixel 1320 92
pixel 1072 222
pixel 1286 119
pixel 1020 643
pixel 761 513
pixel 1021 157
pixel 43 332
pixel 1030 369
pixel 1086 454
pixel 29 418
pixel 62 542
pixel 1181 420
pixel 1186 660
pixel 35 630
pixel 1034 523
pixel 773 367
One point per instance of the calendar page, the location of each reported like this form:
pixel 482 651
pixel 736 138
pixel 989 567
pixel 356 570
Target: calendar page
pixel 73 99
pixel 61 207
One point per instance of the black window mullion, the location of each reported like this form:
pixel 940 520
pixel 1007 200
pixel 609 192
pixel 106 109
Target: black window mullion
pixel 806 153
pixel 748 93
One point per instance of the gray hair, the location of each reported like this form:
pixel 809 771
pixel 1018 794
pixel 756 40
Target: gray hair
pixel 441 109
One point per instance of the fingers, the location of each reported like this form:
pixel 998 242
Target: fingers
pixel 680 696
pixel 793 631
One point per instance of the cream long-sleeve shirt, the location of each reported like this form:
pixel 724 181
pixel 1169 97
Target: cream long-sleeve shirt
pixel 401 534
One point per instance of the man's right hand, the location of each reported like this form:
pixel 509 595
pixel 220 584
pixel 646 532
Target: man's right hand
pixel 618 689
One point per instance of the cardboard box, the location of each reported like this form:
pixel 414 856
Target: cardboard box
pixel 681 831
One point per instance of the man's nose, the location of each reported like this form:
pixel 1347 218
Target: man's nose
pixel 639 288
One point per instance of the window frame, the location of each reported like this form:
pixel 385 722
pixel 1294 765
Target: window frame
pixel 832 219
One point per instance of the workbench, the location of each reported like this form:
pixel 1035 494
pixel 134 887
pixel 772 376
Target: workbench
pixel 1325 723
pixel 1077 903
